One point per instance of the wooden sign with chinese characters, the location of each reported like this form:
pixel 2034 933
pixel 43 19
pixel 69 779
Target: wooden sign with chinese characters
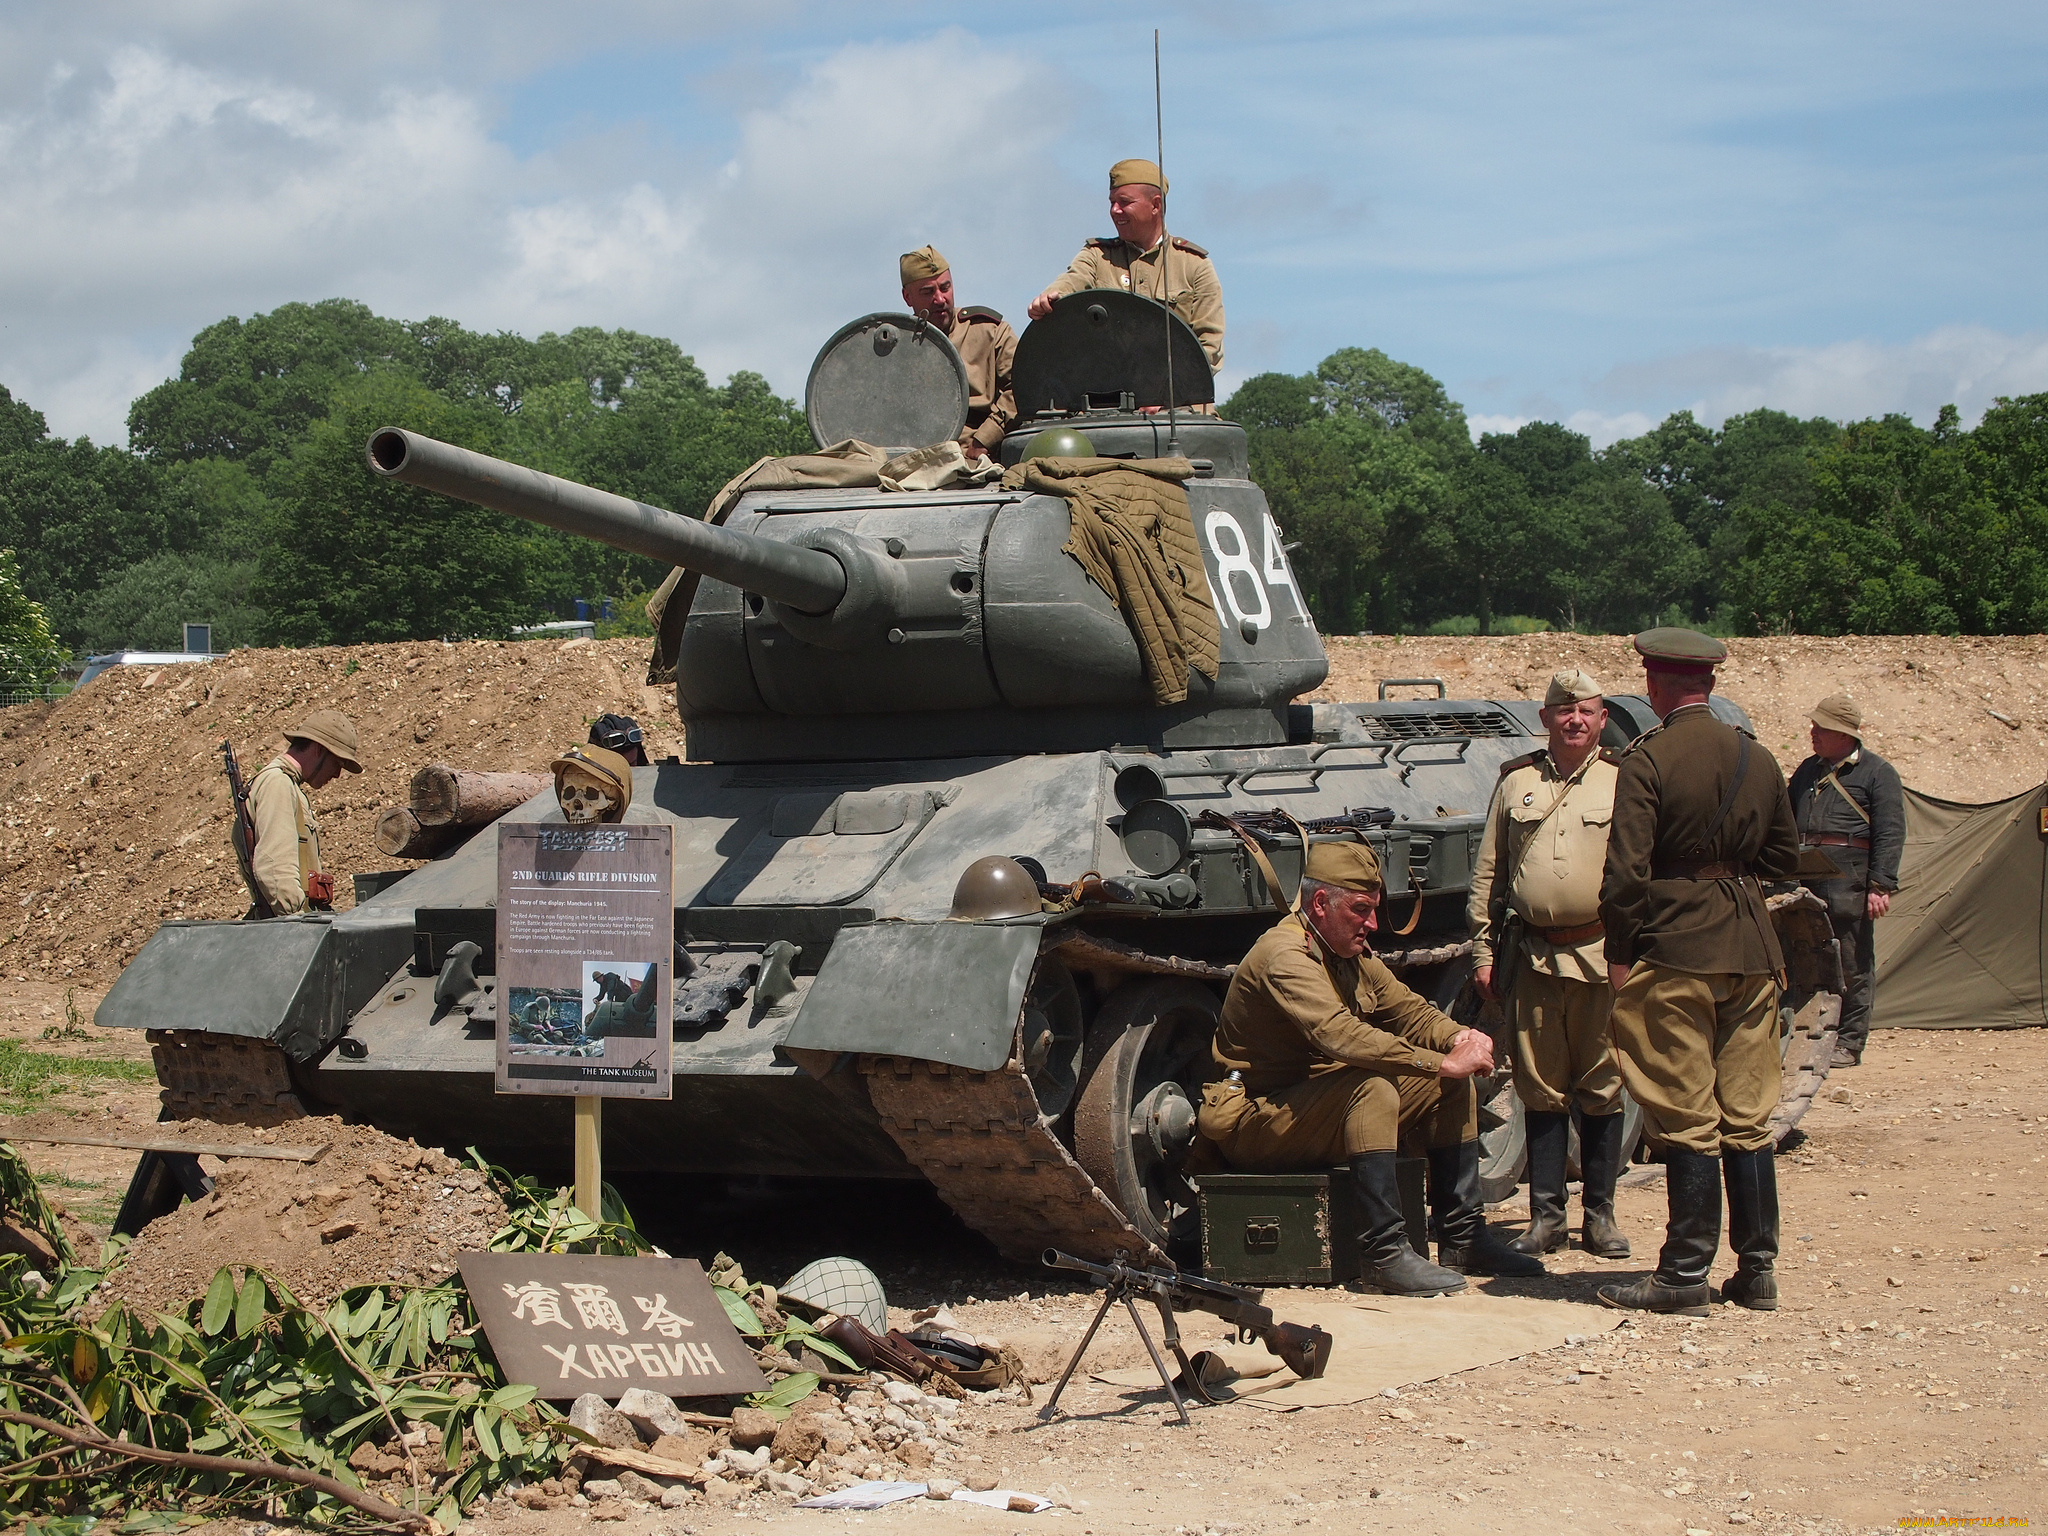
pixel 570 1323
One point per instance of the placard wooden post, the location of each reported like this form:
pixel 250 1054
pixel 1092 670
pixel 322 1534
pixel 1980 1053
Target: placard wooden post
pixel 590 1155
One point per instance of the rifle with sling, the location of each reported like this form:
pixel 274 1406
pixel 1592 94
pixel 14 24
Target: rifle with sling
pixel 1305 1351
pixel 242 834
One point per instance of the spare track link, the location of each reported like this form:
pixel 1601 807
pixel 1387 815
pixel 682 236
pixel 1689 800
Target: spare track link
pixel 229 1079
pixel 1809 1052
pixel 980 1139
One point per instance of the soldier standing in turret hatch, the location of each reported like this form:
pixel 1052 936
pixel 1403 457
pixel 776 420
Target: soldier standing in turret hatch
pixel 1138 260
pixel 982 337
pixel 1849 804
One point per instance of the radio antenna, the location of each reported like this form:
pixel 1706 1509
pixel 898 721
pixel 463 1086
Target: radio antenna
pixel 1165 248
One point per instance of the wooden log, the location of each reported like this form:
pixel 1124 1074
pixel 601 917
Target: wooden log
pixel 468 797
pixel 399 835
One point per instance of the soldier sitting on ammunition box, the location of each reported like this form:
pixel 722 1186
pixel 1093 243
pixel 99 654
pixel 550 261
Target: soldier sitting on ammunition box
pixel 1328 1058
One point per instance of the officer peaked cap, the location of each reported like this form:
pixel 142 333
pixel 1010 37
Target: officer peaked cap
pixel 1679 650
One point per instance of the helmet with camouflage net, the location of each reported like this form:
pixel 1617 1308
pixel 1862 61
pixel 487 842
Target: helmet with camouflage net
pixel 845 1286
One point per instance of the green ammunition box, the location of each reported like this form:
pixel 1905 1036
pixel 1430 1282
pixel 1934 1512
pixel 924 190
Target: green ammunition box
pixel 1294 1228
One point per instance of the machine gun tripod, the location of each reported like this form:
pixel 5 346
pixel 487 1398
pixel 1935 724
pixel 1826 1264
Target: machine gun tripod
pixel 1306 1351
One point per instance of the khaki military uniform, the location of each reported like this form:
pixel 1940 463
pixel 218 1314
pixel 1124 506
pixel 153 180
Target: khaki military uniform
pixel 1697 1021
pixel 1187 284
pixel 1541 860
pixel 287 835
pixel 988 347
pixel 1335 1057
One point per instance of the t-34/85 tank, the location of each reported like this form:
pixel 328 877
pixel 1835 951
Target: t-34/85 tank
pixel 881 688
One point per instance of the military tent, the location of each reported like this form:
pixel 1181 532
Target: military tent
pixel 1965 945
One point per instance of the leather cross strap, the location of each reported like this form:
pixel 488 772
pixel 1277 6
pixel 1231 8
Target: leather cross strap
pixel 1579 935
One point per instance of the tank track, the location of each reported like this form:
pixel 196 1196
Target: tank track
pixel 1809 1052
pixel 229 1079
pixel 988 1150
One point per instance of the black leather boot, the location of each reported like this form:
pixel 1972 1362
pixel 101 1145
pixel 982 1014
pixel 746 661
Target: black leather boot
pixel 1464 1241
pixel 1549 1138
pixel 1391 1264
pixel 1599 1167
pixel 1692 1185
pixel 1752 1228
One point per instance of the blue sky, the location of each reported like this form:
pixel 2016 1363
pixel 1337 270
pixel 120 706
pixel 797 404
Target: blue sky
pixel 1595 213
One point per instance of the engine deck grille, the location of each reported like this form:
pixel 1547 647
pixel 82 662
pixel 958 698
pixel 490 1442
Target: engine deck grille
pixel 1422 725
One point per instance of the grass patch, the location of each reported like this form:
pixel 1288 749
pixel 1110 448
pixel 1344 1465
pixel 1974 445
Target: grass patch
pixel 27 1078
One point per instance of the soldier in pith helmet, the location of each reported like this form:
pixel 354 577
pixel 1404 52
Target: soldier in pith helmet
pixel 981 336
pixel 1700 820
pixel 1536 946
pixel 1139 259
pixel 1850 805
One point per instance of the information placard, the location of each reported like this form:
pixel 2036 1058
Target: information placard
pixel 574 1323
pixel 586 956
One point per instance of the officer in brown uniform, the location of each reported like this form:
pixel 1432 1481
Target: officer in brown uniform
pixel 1139 260
pixel 1324 1058
pixel 1849 804
pixel 983 339
pixel 1536 947
pixel 285 863
pixel 1700 818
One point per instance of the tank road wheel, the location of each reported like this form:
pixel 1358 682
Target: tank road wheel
pixel 1135 1117
pixel 1052 1039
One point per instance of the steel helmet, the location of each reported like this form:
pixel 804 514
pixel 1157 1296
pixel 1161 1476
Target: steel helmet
pixel 1060 443
pixel 992 888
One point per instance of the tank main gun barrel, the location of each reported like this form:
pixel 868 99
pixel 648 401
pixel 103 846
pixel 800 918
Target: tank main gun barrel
pixel 808 580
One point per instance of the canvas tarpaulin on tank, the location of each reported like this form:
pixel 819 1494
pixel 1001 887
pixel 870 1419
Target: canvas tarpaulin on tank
pixel 1135 537
pixel 848 465
pixel 1963 944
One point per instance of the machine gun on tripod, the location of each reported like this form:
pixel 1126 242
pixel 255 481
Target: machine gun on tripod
pixel 1306 1351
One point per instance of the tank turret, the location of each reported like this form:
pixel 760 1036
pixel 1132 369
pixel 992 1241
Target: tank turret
pixel 860 622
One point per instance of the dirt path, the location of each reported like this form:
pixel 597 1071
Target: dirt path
pixel 1901 1379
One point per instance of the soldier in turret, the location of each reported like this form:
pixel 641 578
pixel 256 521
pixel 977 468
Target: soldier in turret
pixel 1700 820
pixel 1850 806
pixel 1536 937
pixel 1139 260
pixel 981 336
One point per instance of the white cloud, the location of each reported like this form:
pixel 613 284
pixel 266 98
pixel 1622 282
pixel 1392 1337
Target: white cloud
pixel 150 196
pixel 1967 366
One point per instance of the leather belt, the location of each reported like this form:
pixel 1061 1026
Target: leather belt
pixel 1687 869
pixel 1579 935
pixel 1833 840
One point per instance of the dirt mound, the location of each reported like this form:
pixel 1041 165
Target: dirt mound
pixel 114 812
pixel 1931 705
pixel 372 1209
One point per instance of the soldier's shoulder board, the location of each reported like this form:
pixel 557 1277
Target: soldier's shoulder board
pixel 980 312
pixel 1526 760
pixel 1654 730
pixel 1190 247
pixel 1105 242
pixel 1609 755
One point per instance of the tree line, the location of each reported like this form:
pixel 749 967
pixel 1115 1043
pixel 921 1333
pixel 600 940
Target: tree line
pixel 242 501
pixel 1767 525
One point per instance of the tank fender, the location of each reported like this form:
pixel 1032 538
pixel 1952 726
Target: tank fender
pixel 953 991
pixel 293 981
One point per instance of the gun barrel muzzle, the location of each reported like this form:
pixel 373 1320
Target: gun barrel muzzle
pixel 808 580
